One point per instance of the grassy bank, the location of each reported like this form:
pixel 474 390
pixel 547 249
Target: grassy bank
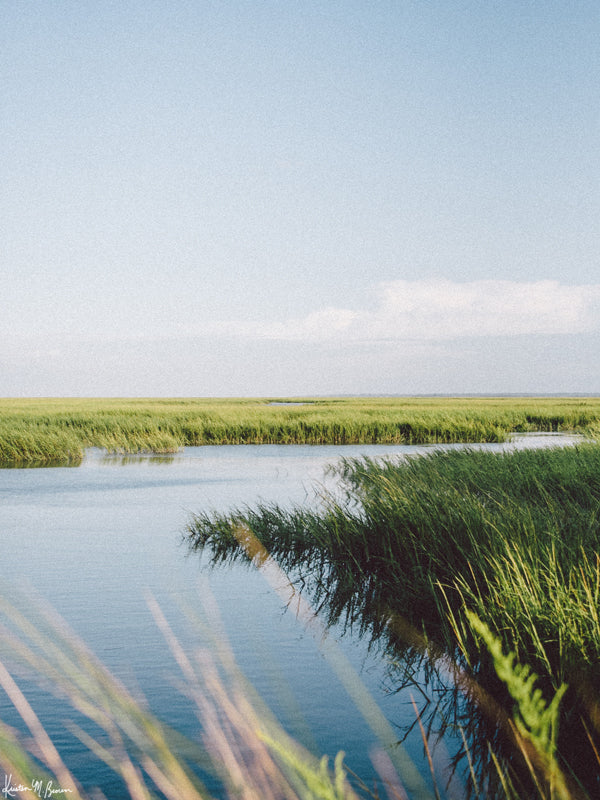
pixel 42 431
pixel 418 544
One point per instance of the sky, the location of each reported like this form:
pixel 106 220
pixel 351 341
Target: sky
pixel 272 198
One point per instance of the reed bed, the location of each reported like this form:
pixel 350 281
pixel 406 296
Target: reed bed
pixel 36 431
pixel 512 537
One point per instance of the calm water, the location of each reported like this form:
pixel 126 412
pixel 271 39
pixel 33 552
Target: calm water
pixel 93 539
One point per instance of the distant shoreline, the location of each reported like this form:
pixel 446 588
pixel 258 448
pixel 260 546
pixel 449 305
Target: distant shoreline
pixel 50 430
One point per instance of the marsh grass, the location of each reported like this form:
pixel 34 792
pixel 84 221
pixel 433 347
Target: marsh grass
pixel 52 430
pixel 512 537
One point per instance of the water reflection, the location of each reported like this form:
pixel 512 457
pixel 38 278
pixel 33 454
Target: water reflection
pixel 71 461
pixel 449 698
pixel 123 460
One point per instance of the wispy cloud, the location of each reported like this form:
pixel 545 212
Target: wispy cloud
pixel 444 309
pixel 438 310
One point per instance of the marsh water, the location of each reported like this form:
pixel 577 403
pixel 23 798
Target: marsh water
pixel 94 540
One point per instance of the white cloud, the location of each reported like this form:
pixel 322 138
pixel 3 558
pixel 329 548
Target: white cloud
pixel 439 310
pixel 420 311
pixel 444 309
pixel 438 337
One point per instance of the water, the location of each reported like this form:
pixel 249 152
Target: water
pixel 95 539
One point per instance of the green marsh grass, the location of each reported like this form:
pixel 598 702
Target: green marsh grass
pixel 52 430
pixel 419 543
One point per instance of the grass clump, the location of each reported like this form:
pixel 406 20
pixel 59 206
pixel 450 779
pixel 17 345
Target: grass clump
pixel 512 537
pixel 521 529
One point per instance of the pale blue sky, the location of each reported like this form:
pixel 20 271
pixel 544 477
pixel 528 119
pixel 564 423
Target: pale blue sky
pixel 283 198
